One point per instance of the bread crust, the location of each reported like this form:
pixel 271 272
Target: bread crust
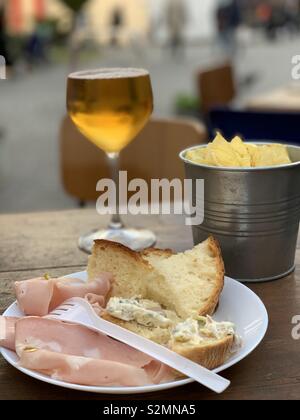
pixel 212 304
pixel 164 253
pixel 104 244
pixel 133 260
pixel 210 356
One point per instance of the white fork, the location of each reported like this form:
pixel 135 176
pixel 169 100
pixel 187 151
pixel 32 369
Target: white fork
pixel 79 311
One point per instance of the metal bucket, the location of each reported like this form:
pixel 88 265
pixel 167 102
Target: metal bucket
pixel 254 213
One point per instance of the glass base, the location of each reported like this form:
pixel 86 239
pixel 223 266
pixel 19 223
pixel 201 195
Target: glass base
pixel 136 239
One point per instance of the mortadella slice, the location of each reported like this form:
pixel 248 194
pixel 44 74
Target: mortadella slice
pixel 7 332
pixel 76 340
pixel 65 289
pixel 75 354
pixel 34 295
pixel 38 297
pixel 83 370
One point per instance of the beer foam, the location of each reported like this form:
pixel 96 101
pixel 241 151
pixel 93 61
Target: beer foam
pixel 109 73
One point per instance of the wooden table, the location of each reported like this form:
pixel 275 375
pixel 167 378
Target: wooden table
pixel 32 244
pixel 285 99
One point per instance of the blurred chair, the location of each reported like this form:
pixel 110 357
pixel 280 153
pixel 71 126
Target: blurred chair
pixel 279 126
pixel 154 154
pixel 216 87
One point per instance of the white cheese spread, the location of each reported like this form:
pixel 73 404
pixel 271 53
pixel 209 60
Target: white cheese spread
pixel 196 331
pixel 142 311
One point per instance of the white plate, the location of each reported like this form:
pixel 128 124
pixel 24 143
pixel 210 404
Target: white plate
pixel 238 304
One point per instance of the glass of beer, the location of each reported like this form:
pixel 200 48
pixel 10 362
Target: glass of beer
pixel 110 107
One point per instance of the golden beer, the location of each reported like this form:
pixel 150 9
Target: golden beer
pixel 110 106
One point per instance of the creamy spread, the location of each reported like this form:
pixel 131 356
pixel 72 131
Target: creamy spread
pixel 142 311
pixel 187 331
pixel 196 331
pixel 218 330
pixel 193 331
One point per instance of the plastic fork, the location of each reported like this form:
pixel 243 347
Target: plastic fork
pixel 79 311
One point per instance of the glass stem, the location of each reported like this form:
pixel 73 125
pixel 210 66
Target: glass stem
pixel 114 161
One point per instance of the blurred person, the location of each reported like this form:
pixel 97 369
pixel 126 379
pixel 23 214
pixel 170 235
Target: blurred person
pixel 263 13
pixel 176 21
pixel 272 25
pixel 117 23
pixel 292 12
pixel 156 22
pixel 277 19
pixel 228 18
pixel 78 37
pixel 38 43
pixel 3 37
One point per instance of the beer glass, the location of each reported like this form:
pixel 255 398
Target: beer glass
pixel 110 107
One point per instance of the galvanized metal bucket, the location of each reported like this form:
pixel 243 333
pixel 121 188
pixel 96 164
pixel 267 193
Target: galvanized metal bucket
pixel 254 213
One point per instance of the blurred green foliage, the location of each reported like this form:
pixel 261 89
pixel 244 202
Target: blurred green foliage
pixel 75 5
pixel 186 102
pixel 187 105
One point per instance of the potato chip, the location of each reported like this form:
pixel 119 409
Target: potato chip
pixel 242 151
pixel 238 154
pixel 271 155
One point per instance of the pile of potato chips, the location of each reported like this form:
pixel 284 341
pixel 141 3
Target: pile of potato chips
pixel 239 154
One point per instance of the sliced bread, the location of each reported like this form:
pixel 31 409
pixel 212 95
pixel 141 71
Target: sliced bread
pixel 204 340
pixel 210 354
pixel 190 283
pixel 131 272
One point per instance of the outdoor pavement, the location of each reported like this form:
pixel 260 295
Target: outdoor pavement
pixel 33 104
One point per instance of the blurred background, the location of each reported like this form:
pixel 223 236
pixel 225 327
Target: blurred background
pixel 201 55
